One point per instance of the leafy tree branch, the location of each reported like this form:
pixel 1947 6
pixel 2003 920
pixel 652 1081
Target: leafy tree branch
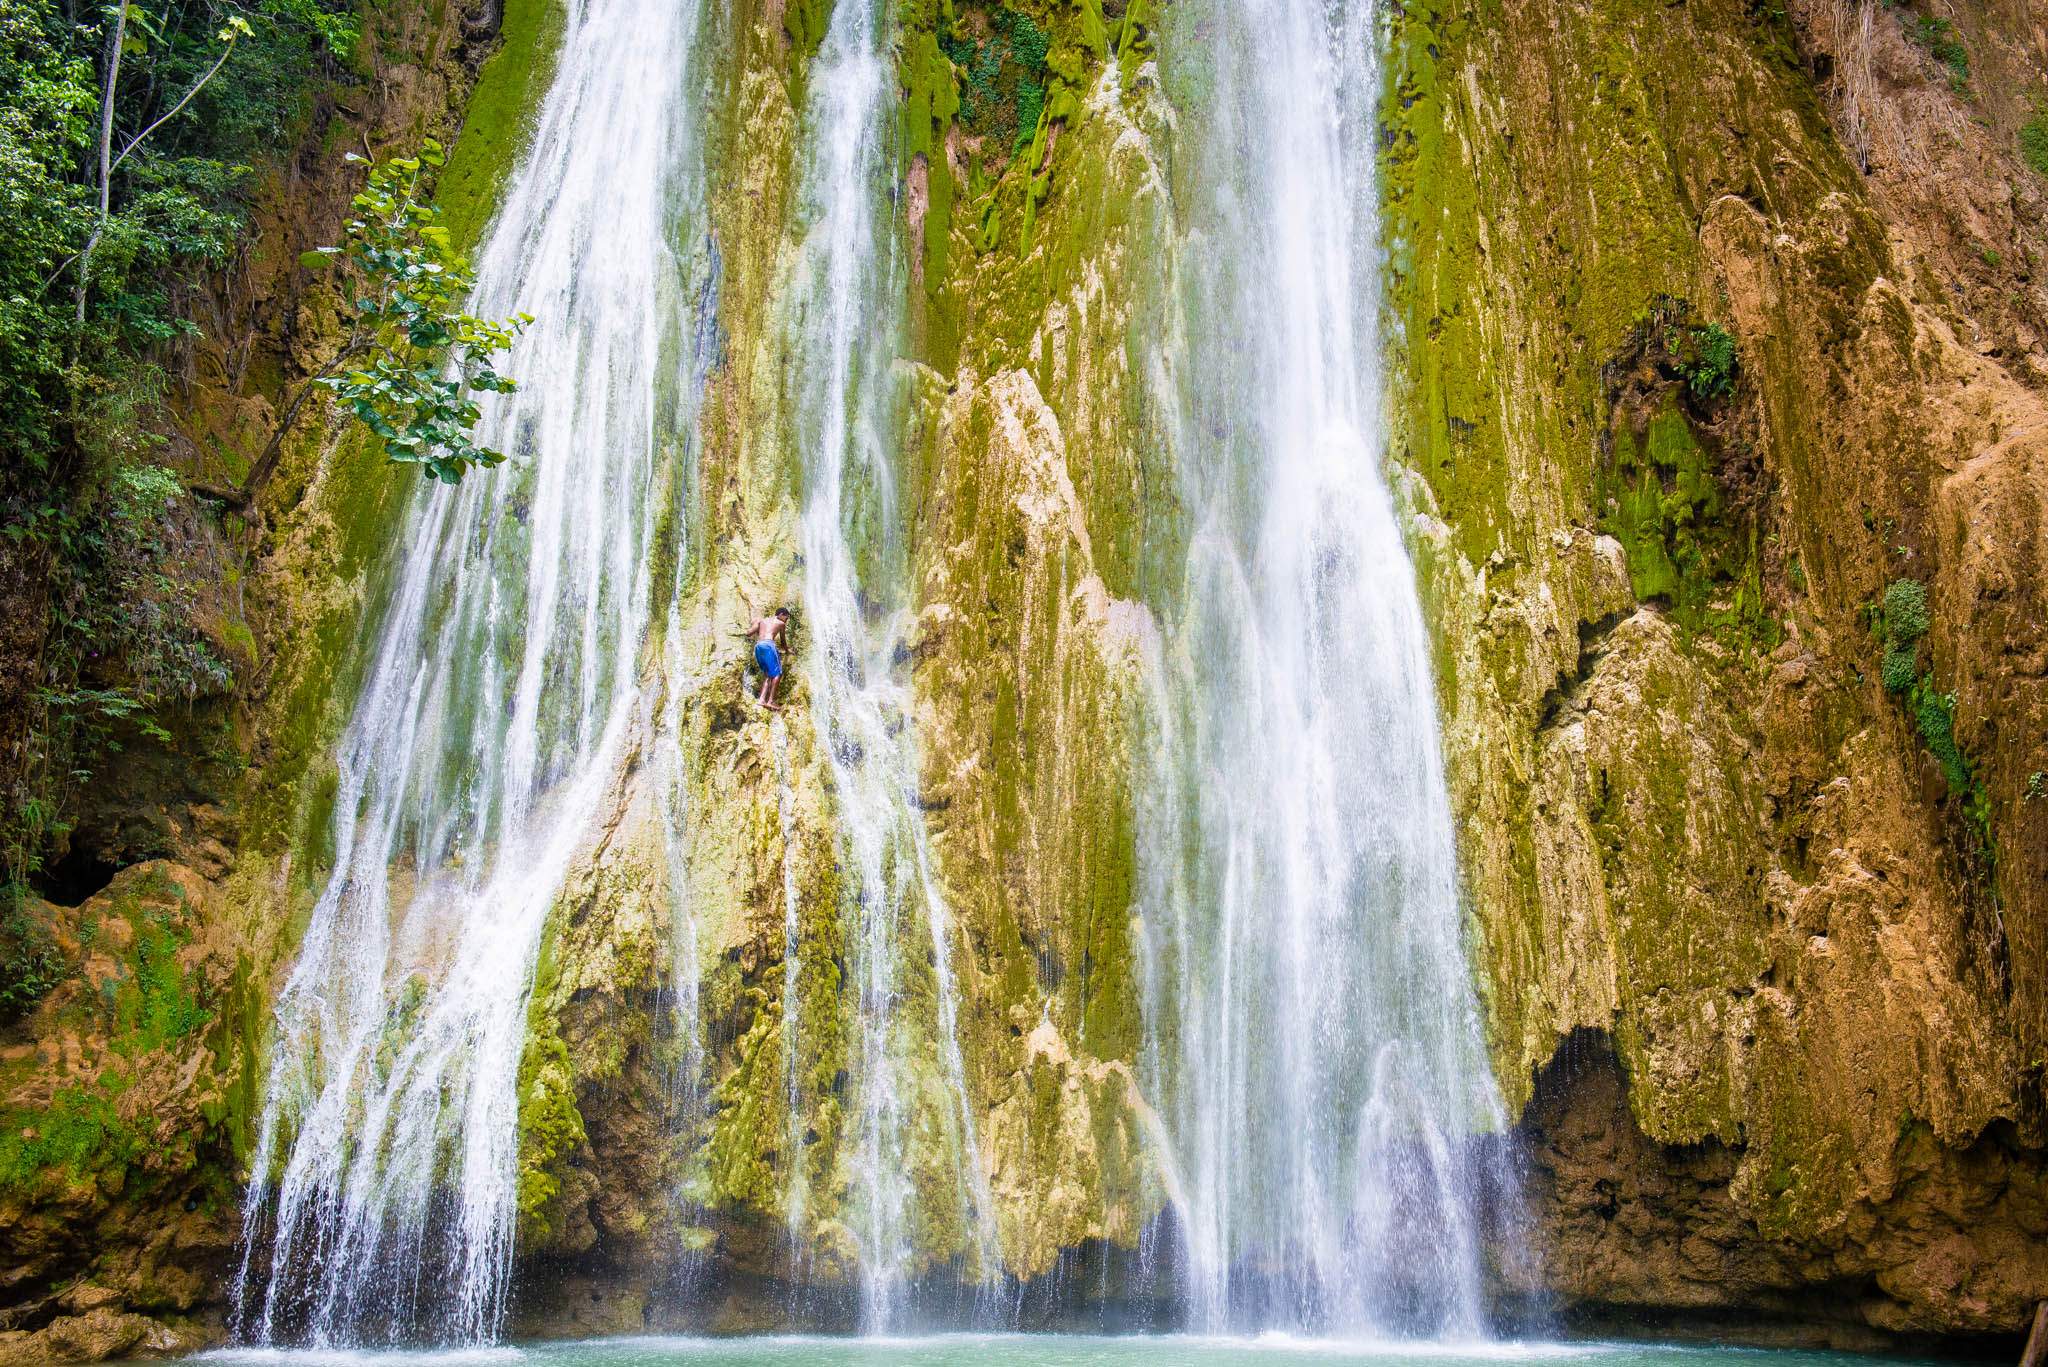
pixel 412 356
pixel 119 43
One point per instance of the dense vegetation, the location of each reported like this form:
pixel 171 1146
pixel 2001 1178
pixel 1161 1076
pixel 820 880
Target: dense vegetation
pixel 98 268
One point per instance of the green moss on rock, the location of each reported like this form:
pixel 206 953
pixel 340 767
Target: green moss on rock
pixel 497 126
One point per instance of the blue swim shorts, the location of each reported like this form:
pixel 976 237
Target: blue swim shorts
pixel 766 656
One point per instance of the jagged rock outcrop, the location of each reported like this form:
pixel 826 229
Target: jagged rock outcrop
pixel 118 1193
pixel 1698 821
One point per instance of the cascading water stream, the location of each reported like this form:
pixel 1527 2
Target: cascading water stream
pixel 499 698
pixel 1317 1045
pixel 856 609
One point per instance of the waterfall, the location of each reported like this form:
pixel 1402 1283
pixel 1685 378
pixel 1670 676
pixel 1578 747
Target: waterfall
pixel 857 608
pixel 505 682
pixel 1313 1045
pixel 1315 1035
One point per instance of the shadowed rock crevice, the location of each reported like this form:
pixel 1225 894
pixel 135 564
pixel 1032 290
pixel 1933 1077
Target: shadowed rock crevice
pixel 1649 1238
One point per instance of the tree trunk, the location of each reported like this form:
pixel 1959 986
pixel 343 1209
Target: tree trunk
pixel 266 463
pixel 2036 1354
pixel 120 38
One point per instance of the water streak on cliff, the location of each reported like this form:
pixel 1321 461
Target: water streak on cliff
pixel 503 688
pixel 1316 1045
pixel 909 1076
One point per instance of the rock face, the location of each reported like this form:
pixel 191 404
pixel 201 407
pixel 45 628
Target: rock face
pixel 1661 1237
pixel 1712 323
pixel 120 1191
pixel 1700 824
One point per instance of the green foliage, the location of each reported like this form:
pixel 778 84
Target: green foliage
pixel 1945 45
pixel 417 353
pixel 2034 140
pixel 29 962
pixel 201 92
pixel 1003 78
pixel 174 199
pixel 1901 619
pixel 125 638
pixel 1705 358
pixel 1905 611
pixel 1897 670
pixel 1934 713
pixel 1903 614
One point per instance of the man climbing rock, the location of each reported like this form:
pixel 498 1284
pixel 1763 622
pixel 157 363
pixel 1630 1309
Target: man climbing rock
pixel 769 644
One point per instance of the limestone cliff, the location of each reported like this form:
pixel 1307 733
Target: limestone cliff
pixel 1763 938
pixel 1699 823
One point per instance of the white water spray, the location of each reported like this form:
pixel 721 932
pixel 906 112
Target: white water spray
pixel 1318 1048
pixel 487 737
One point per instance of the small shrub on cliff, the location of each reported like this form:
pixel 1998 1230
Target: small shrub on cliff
pixel 2034 140
pixel 1897 671
pixel 1905 622
pixel 1902 620
pixel 1934 714
pixel 412 357
pixel 1706 360
pixel 1905 610
pixel 1945 45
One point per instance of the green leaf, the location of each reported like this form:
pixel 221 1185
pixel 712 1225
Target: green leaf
pixel 314 260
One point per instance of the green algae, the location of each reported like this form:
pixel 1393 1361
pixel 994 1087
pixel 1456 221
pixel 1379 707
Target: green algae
pixel 551 1133
pixel 806 22
pixel 498 123
pixel 1662 499
pixel 551 1129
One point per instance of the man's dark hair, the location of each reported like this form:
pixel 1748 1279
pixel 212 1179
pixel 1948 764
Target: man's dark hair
pixel 782 613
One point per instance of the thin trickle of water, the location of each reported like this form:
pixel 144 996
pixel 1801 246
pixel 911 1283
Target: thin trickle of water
pixel 500 695
pixel 686 1092
pixel 856 604
pixel 1316 1041
pixel 798 1196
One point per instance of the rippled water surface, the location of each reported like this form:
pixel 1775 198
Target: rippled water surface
pixel 1042 1350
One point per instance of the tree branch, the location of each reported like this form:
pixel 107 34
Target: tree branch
pixel 197 86
pixel 266 463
